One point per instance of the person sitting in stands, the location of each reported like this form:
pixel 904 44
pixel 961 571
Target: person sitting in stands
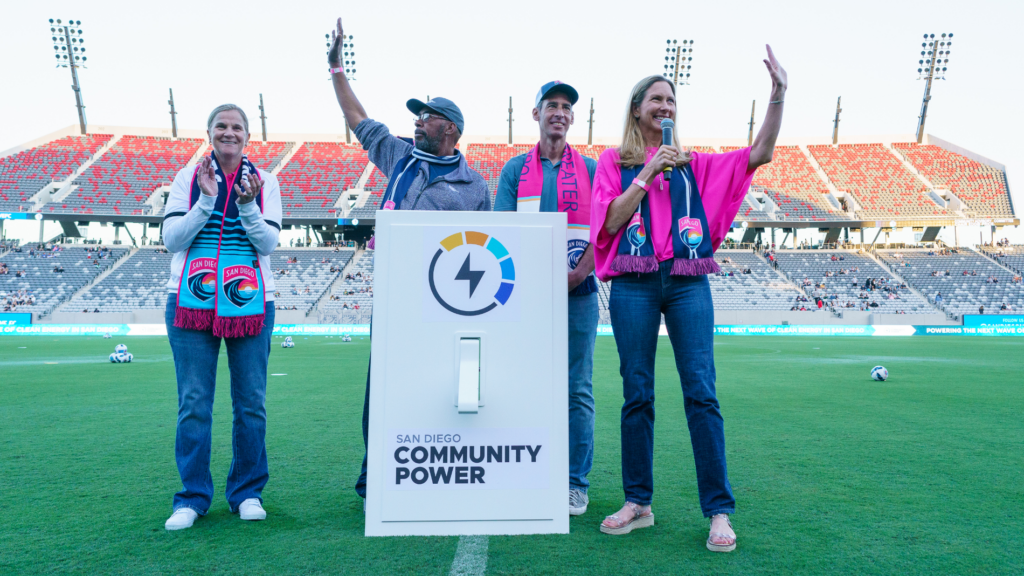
pixel 981 309
pixel 1003 308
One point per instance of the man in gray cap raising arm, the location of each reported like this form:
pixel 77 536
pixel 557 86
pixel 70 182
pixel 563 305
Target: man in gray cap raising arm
pixel 430 175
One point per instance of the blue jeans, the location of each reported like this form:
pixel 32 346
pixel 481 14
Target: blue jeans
pixel 195 365
pixel 583 315
pixel 636 304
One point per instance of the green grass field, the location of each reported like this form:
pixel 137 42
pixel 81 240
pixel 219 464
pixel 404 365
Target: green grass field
pixel 833 473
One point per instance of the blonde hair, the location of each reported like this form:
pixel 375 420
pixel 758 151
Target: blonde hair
pixel 226 108
pixel 633 150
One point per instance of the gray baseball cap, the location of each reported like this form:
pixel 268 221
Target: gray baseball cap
pixel 557 87
pixel 442 106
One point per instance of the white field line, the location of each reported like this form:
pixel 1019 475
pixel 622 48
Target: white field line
pixel 470 557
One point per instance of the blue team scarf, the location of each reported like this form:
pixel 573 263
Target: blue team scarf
pixel 405 172
pixel 221 284
pixel 691 240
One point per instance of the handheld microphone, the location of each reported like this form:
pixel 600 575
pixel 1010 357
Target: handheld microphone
pixel 667 125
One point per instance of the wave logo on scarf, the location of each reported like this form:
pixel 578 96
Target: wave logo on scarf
pixel 202 278
pixel 690 232
pixel 240 284
pixel 635 232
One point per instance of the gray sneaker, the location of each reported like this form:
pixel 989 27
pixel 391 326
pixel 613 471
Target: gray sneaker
pixel 578 501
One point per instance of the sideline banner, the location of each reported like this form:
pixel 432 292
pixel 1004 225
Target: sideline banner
pixel 161 330
pixel 15 319
pixel 993 320
pixel 602 330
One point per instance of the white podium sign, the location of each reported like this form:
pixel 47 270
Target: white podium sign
pixel 468 385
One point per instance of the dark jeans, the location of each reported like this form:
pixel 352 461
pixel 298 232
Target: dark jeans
pixel 636 305
pixel 195 365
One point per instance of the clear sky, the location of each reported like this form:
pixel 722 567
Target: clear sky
pixel 480 53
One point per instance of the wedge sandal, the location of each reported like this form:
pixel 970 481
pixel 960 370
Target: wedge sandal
pixel 721 547
pixel 638 521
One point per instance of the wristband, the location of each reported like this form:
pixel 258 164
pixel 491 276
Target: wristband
pixel 335 70
pixel 641 184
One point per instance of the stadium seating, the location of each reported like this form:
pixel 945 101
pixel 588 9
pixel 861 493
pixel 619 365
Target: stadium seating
pixel 877 179
pixel 268 155
pixel 1011 256
pixel 300 284
pixel 139 283
pixel 981 187
pixel 960 294
pixel 489 159
pixel 24 174
pixel 794 185
pixel 762 289
pixel 849 287
pixel 316 176
pixel 47 287
pixel 122 180
pixel 340 309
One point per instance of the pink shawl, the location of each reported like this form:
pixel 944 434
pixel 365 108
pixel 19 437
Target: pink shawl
pixel 722 179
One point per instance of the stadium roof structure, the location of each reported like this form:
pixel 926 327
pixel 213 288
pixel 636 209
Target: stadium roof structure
pixel 121 174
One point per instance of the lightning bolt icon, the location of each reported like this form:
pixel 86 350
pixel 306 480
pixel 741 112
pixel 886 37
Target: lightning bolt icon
pixel 474 276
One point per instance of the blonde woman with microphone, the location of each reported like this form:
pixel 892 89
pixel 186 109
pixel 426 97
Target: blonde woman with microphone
pixel 657 217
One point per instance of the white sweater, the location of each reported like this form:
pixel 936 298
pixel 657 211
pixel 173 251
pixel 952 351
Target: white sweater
pixel 181 224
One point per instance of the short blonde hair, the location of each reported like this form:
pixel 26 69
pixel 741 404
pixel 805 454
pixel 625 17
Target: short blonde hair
pixel 227 108
pixel 633 150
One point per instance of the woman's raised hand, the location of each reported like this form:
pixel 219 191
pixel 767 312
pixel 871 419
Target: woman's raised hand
pixel 251 187
pixel 779 78
pixel 208 177
pixel 334 54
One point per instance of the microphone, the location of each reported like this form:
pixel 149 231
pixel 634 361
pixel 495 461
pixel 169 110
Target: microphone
pixel 667 125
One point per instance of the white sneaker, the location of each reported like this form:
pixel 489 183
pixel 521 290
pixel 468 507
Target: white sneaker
pixel 251 509
pixel 181 519
pixel 578 501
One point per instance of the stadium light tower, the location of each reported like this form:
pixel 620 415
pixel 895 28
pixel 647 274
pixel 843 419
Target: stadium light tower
pixel 934 58
pixel 590 133
pixel 174 115
pixel 835 127
pixel 69 52
pixel 263 119
pixel 678 56
pixel 349 63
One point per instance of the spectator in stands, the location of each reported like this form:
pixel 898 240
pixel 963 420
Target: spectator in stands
pixel 938 299
pixel 1003 308
pixel 426 174
pixel 981 309
pixel 656 275
pixel 225 186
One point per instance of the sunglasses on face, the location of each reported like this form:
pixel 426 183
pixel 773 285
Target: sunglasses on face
pixel 426 116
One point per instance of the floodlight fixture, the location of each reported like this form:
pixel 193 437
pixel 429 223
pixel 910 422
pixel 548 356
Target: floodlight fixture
pixel 931 66
pixel 70 53
pixel 678 61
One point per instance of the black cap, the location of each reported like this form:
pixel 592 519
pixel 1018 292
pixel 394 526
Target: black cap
pixel 556 87
pixel 442 106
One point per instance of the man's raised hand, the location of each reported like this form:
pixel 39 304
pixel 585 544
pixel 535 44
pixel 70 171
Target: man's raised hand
pixel 337 40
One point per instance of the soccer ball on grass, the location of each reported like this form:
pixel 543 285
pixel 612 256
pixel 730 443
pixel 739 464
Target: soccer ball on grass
pixel 879 373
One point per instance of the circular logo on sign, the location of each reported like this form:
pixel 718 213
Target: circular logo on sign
pixel 471 273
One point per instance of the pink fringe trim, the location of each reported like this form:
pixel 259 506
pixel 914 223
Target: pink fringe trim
pixel 697 267
pixel 630 263
pixel 193 318
pixel 238 326
pixel 371 242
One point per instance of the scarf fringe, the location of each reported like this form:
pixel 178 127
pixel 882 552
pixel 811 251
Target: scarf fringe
pixel 193 318
pixel 631 263
pixel 371 243
pixel 694 267
pixel 238 326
